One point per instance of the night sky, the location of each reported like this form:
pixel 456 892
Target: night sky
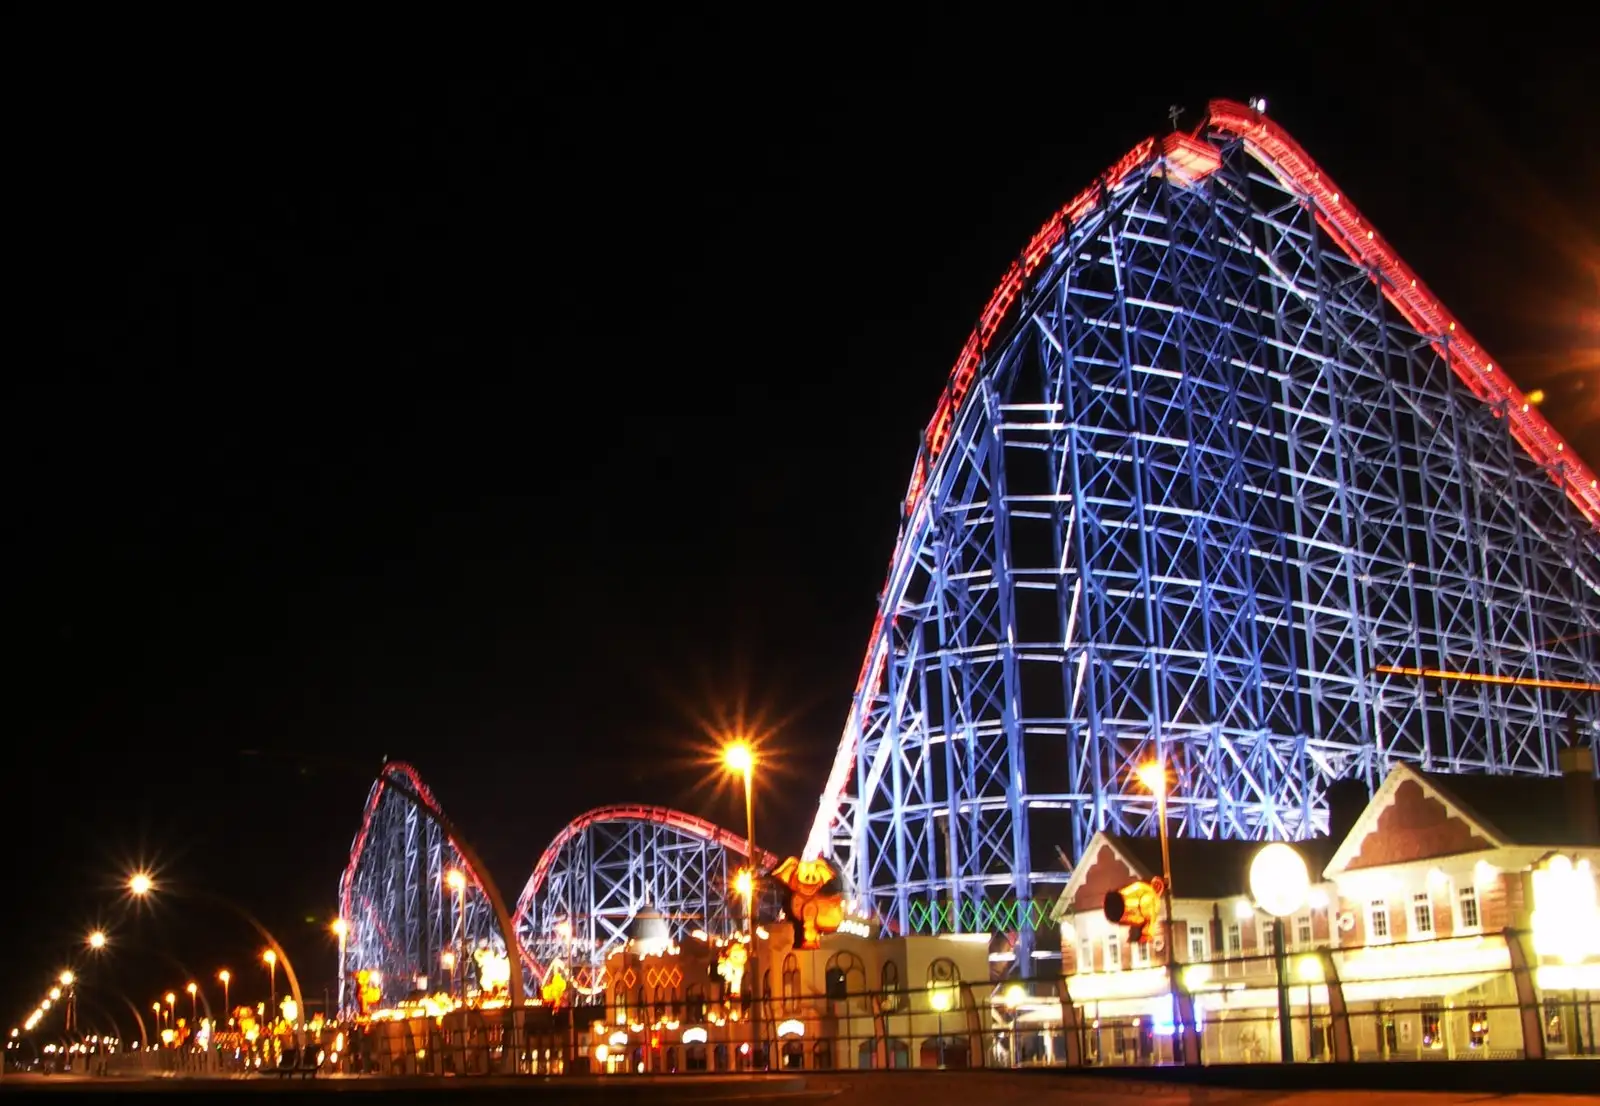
pixel 533 415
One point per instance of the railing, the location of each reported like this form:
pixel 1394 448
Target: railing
pixel 1462 998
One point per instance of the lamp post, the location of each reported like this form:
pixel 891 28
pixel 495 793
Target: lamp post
pixel 740 759
pixel 270 959
pixel 1280 884
pixel 457 882
pixel 1153 774
pixel 225 977
pixel 939 998
pixel 341 930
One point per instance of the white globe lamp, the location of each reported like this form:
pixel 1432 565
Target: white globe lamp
pixel 1279 880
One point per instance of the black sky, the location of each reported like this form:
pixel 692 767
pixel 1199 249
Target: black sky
pixel 516 412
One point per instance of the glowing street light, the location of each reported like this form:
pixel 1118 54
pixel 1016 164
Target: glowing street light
pixel 67 979
pixel 341 930
pixel 140 884
pixel 740 758
pixel 97 940
pixel 226 977
pixel 194 1002
pixel 270 959
pixel 456 880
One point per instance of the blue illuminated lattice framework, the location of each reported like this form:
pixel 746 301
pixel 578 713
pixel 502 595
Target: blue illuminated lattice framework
pixel 402 919
pixel 610 864
pixel 1211 461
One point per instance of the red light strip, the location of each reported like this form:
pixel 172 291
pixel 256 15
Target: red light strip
pixel 937 436
pixel 660 815
pixel 1275 149
pixel 430 806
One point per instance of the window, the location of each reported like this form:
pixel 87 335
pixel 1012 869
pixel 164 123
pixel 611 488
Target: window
pixel 791 984
pixel 1421 915
pixel 1302 930
pixel 1086 956
pixel 1113 953
pixel 1269 937
pixel 889 984
pixel 1235 941
pixel 1432 1021
pixel 1378 920
pixel 1139 954
pixel 1467 912
pixel 1197 943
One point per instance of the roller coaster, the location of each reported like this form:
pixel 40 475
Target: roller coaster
pixel 1215 481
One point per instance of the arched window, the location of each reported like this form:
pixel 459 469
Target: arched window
pixel 889 984
pixel 848 970
pixel 944 984
pixel 791 983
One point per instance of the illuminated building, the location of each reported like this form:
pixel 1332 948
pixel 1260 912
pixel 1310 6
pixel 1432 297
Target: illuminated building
pixel 855 1002
pixel 1421 915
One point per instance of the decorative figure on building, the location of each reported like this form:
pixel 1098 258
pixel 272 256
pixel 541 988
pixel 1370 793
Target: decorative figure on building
pixel 554 989
pixel 730 966
pixel 812 911
pixel 1135 906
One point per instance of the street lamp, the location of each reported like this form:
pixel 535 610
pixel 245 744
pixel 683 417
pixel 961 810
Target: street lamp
pixel 140 884
pixel 456 880
pixel 341 929
pixel 1153 774
pixel 225 976
pixel 1280 884
pixel 97 940
pixel 270 959
pixel 194 1003
pixel 740 759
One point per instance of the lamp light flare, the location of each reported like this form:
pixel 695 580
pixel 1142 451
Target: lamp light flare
pixel 140 884
pixel 1153 775
pixel 67 979
pixel 739 756
pixel 97 940
pixel 1535 397
pixel 455 879
pixel 269 958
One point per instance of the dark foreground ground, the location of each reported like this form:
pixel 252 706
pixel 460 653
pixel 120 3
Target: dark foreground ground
pixel 1554 1083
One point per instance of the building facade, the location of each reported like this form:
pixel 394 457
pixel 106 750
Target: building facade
pixel 1455 918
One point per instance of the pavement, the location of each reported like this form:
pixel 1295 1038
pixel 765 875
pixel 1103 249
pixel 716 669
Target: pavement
pixel 891 1088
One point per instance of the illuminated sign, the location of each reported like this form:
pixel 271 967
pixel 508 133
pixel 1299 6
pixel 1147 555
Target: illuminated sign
pixel 814 912
pixel 856 927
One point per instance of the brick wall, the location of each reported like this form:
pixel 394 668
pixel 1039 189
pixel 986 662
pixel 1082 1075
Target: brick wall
pixel 1415 826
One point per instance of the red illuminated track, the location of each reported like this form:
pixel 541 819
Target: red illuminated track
pixel 1275 149
pixel 1271 145
pixel 632 812
pixel 430 806
pixel 629 812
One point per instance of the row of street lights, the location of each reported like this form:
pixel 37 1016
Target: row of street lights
pixel 140 885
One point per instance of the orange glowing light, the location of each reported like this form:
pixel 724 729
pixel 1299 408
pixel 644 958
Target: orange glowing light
pixel 1486 678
